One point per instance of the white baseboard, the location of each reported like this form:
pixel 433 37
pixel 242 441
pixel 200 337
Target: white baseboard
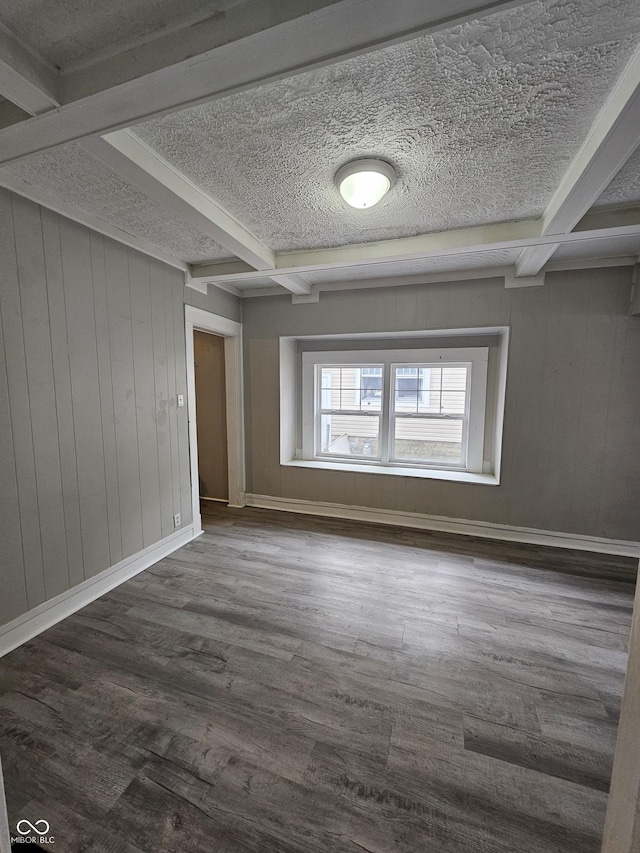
pixel 483 529
pixel 45 615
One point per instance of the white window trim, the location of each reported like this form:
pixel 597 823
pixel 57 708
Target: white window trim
pixel 477 357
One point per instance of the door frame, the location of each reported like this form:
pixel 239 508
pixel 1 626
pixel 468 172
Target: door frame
pixel 204 321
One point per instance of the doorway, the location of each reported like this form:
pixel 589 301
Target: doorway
pixel 211 416
pixel 229 333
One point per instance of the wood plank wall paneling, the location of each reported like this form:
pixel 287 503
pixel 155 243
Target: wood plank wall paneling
pixel 62 387
pixel 85 395
pixel 105 375
pixel 22 439
pixel 160 274
pixel 41 398
pixel 180 364
pixel 144 385
pixel 571 448
pixel 14 591
pixel 93 449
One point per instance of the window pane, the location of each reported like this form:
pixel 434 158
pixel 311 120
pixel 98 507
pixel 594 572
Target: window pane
pixel 428 440
pixel 447 392
pixel 350 435
pixel 348 388
pixel 326 382
pixel 330 385
pixel 412 388
pixel 371 390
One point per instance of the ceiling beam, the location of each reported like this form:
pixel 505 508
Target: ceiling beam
pixel 338 31
pixel 189 37
pixel 129 156
pixel 373 283
pixel 474 274
pixel 25 79
pixel 293 282
pixel 613 138
pixel 202 35
pixel 480 237
pixel 126 154
pixel 481 273
pixel 512 280
pixel 460 242
pixel 386 252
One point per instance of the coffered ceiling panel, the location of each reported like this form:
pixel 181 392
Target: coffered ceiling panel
pixel 481 121
pixel 74 176
pixel 625 187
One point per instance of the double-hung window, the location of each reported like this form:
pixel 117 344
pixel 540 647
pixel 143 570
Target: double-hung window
pixel 396 408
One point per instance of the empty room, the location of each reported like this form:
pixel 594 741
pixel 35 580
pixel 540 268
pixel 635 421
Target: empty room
pixel 320 426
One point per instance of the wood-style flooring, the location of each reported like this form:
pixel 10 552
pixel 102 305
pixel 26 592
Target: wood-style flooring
pixel 287 684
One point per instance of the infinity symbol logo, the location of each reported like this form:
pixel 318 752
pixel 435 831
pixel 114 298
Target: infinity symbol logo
pixel 40 827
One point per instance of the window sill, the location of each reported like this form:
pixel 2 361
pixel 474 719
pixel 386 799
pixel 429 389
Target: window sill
pixel 398 471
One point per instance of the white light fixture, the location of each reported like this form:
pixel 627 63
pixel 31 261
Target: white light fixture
pixel 362 183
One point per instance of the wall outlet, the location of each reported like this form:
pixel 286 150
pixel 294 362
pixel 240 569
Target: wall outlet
pixel 177 521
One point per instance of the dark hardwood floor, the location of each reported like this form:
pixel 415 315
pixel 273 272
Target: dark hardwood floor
pixel 286 683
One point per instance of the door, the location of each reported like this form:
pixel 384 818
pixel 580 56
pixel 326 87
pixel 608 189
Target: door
pixel 211 416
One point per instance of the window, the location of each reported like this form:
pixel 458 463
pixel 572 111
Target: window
pixel 396 408
pixel 427 404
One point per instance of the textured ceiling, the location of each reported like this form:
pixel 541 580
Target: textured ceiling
pixel 625 187
pixel 70 32
pixel 481 121
pixel 72 175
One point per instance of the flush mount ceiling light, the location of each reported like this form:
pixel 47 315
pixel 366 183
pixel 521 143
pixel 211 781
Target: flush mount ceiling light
pixel 362 183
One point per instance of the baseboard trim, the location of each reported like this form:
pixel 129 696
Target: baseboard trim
pixel 441 524
pixel 45 615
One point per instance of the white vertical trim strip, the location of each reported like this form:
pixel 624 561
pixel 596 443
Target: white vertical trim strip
pixel 193 432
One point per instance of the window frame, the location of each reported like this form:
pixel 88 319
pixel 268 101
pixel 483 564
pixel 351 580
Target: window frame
pixel 476 358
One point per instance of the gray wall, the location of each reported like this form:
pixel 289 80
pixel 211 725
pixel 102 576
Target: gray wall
pixel 216 301
pixel 93 450
pixel 571 448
